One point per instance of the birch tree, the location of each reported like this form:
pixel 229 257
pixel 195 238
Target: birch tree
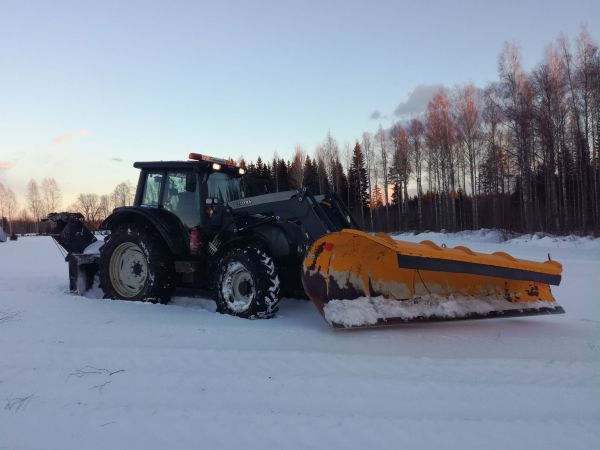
pixel 297 168
pixel 468 125
pixel 367 147
pixel 51 195
pixel 34 203
pixel 415 139
pixel 384 157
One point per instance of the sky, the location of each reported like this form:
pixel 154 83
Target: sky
pixel 89 87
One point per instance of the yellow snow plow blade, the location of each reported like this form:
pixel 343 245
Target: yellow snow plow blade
pixel 360 280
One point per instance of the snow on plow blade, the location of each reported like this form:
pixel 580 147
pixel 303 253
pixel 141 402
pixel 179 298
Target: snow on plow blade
pixel 357 279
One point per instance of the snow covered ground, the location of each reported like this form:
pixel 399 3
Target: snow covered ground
pixel 90 373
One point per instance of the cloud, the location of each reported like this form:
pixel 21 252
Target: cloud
pixel 72 135
pixel 375 115
pixel 5 165
pixel 116 159
pixel 417 100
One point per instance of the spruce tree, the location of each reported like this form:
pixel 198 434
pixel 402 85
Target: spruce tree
pixel 357 181
pixel 310 176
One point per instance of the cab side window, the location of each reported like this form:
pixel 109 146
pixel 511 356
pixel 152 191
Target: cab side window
pixel 224 187
pixel 181 197
pixel 152 189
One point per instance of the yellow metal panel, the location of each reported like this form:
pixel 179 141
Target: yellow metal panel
pixel 351 263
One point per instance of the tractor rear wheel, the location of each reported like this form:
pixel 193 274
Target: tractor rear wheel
pixel 247 284
pixel 136 265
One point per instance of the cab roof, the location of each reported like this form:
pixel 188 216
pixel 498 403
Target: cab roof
pixel 196 161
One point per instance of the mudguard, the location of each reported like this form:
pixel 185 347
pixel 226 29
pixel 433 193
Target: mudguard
pixel 168 226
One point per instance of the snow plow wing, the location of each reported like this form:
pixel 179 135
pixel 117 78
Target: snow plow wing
pixel 357 279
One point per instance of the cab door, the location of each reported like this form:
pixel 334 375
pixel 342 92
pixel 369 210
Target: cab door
pixel 181 196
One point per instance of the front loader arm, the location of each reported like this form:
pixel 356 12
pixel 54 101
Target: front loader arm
pixel 318 216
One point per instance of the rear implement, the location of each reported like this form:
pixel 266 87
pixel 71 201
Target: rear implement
pixel 361 280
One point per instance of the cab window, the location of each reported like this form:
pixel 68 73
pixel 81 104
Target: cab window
pixel 181 197
pixel 152 189
pixel 224 187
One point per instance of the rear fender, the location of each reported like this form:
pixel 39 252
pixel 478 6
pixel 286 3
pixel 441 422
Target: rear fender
pixel 166 224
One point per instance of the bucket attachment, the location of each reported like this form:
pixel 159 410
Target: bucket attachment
pixel 357 279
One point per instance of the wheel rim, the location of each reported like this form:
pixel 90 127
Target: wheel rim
pixel 128 269
pixel 238 288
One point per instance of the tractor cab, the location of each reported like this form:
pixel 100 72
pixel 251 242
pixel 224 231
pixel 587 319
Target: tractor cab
pixel 195 191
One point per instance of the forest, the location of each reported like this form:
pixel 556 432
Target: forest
pixel 520 154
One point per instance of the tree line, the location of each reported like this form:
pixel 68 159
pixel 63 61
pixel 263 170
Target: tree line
pixel 522 153
pixel 45 197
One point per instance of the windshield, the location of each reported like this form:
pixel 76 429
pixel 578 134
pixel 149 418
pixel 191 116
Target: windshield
pixel 224 187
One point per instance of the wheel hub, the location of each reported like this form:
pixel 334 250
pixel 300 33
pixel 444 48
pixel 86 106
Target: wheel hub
pixel 137 268
pixel 128 269
pixel 238 288
pixel 245 288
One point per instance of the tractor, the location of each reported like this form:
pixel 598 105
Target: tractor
pixel 193 226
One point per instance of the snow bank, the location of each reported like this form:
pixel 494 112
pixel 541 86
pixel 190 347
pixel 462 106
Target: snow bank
pixel 369 310
pixel 549 241
pixel 492 236
pixel 482 235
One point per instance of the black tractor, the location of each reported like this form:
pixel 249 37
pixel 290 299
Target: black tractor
pixel 192 226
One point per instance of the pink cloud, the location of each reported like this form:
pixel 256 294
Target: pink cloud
pixel 72 135
pixel 5 165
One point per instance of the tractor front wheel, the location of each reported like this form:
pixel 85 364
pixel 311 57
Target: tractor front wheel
pixel 247 284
